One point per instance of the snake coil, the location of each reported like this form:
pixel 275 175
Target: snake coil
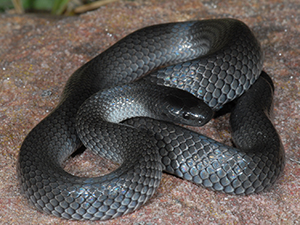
pixel 217 61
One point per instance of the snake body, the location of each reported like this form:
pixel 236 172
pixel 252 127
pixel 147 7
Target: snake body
pixel 217 61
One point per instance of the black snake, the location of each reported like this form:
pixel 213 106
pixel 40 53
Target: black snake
pixel 216 61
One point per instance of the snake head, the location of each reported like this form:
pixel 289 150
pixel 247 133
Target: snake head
pixel 184 108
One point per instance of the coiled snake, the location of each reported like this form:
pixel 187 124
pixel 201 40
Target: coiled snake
pixel 193 68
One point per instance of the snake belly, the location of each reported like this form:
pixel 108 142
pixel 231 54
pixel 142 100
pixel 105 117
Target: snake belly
pixel 215 60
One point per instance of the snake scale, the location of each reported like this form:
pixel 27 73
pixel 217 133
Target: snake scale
pixel 121 104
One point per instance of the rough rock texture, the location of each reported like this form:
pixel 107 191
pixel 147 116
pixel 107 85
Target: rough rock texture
pixel 38 54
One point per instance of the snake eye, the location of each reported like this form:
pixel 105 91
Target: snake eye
pixel 186 116
pixel 175 105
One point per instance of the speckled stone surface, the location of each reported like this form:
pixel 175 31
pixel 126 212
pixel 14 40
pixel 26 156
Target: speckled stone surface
pixel 38 54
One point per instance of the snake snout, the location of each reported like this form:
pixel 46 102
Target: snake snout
pixel 198 116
